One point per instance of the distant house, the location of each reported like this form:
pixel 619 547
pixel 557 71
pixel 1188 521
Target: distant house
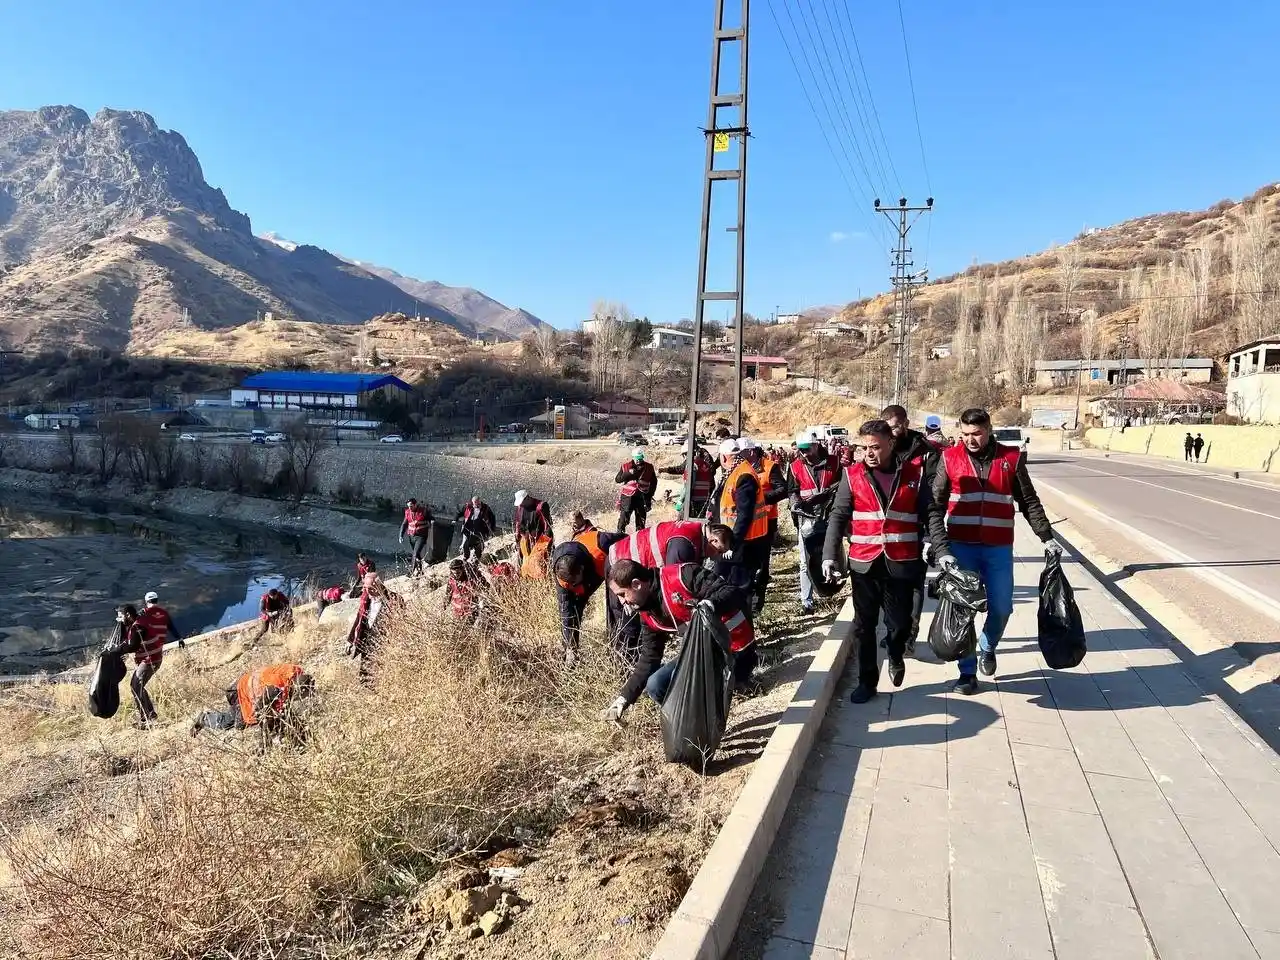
pixel 295 390
pixel 1161 399
pixel 669 338
pixel 835 330
pixel 754 367
pixel 940 351
pixel 1065 373
pixel 51 421
pixel 1253 381
pixel 791 318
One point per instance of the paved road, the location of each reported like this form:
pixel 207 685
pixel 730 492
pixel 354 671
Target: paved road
pixel 1112 811
pixel 1208 544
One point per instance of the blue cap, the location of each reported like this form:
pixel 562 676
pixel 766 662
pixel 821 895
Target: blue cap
pixel 933 423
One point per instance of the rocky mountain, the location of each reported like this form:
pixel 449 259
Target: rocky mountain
pixel 110 237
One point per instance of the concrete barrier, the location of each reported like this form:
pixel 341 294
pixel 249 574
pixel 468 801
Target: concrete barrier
pixel 704 924
pixel 1239 448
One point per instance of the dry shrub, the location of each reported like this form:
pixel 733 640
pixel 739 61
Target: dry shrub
pixel 463 735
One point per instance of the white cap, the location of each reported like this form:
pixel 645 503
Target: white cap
pixel 728 447
pixel 520 495
pixel 804 438
pixel 746 443
pixel 151 597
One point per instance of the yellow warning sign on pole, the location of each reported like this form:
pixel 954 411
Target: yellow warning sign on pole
pixel 720 142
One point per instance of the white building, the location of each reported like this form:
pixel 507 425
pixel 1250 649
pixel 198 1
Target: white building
pixel 669 338
pixel 835 330
pixel 1253 381
pixel 792 318
pixel 940 351
pixel 51 421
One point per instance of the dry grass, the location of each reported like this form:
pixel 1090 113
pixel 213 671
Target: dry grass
pixel 209 848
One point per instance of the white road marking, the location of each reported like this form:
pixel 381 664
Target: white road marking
pixel 1194 496
pixel 1246 594
pixel 1164 463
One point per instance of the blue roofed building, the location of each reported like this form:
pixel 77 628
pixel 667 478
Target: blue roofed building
pixel 301 390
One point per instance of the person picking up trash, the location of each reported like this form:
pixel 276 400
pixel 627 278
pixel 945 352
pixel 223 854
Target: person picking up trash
pixel 267 698
pixel 976 489
pixel 882 508
pixel 274 613
pixel 157 626
pixel 665 600
pixel 639 483
pixel 812 479
pixel 534 535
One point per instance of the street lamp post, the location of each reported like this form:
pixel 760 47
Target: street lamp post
pixel 475 408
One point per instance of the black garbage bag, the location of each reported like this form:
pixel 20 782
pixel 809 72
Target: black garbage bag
pixel 696 709
pixel 104 684
pixel 961 597
pixel 816 535
pixel 1062 638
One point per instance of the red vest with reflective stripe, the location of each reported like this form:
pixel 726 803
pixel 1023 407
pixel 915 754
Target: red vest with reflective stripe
pixel 679 606
pixel 981 511
pixel 893 531
pixel 591 540
pixel 642 484
pixel 648 547
pixel 461 603
pixel 703 479
pixel 811 480
pixel 416 520
pixel 155 622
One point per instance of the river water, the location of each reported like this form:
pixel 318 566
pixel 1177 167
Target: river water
pixel 65 570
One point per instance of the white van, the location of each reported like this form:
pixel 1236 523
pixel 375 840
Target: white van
pixel 827 432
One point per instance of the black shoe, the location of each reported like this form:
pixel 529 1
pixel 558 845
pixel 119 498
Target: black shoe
pixel 967 685
pixel 897 670
pixel 910 649
pixel 862 693
pixel 806 607
pixel 884 643
pixel 987 663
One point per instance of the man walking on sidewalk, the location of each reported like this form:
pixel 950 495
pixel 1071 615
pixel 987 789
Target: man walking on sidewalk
pixel 1198 445
pixel 1187 446
pixel 909 444
pixel 977 485
pixel 882 506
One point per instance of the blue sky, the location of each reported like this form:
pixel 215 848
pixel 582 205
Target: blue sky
pixel 550 153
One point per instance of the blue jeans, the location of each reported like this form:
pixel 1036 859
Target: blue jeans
pixel 994 566
pixel 742 663
pixel 808 546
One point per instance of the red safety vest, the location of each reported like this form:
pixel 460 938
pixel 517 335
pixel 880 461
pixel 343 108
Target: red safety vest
pixel 894 531
pixel 680 606
pixel 462 600
pixel 813 481
pixel 591 540
pixel 642 484
pixel 155 621
pixel 331 594
pixel 648 547
pixel 704 478
pixel 981 511
pixel 416 520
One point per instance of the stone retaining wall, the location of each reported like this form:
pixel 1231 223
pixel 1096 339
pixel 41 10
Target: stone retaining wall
pixel 1237 448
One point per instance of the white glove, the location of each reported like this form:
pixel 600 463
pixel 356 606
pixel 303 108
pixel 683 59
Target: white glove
pixel 830 570
pixel 1052 549
pixel 727 555
pixel 947 563
pixel 399 539
pixel 613 713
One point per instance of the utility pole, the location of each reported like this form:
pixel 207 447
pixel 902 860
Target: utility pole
pixel 726 136
pixel 904 286
pixel 1124 364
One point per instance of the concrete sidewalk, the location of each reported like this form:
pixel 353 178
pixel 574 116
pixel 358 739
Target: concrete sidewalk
pixel 1111 811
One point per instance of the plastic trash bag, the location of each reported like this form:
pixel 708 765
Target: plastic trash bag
pixel 1062 639
pixel 696 708
pixel 104 684
pixel 811 548
pixel 961 597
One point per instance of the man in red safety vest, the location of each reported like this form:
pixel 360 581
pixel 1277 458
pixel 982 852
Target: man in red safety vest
pixel 665 600
pixel 812 479
pixel 704 480
pixel 417 524
pixel 882 508
pixel 976 490
pixel 639 483
pixel 158 627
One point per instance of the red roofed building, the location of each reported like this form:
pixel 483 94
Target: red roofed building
pixel 754 366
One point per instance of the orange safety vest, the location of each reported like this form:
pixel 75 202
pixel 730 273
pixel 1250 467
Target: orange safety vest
pixel 250 687
pixel 766 468
pixel 873 529
pixel 648 547
pixel 536 557
pixel 981 511
pixel 416 520
pixel 680 606
pixel 591 540
pixel 729 510
pixel 813 481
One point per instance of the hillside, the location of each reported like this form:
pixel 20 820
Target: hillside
pixel 110 237
pixel 1192 283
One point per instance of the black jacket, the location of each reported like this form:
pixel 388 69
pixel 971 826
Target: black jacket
pixel 641 473
pixel 573 604
pixel 1024 495
pixel 533 519
pixel 481 522
pixel 913 444
pixel 818 504
pixel 842 513
pixel 701 585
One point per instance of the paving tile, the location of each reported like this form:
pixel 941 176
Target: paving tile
pixel 1038 733
pixel 823 848
pixel 1265 942
pixel 906 860
pixel 915 764
pixel 987 827
pixel 1075 691
pixel 1074 858
pixel 1052 778
pixel 997 914
pixel 881 934
pixel 1163 744
pixel 1244 865
pixel 1085 929
pixel 1262 802
pixel 1191 922
pixel 837 768
pixel 1102 746
pixel 987 750
pixel 782 948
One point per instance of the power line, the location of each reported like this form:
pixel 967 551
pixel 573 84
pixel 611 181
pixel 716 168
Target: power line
pixel 862 86
pixel 914 105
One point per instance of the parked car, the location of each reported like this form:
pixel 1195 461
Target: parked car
pixel 391 438
pixel 276 438
pixel 672 439
pixel 189 438
pixel 632 440
pixel 1012 437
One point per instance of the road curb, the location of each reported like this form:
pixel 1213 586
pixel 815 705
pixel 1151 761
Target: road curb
pixel 706 920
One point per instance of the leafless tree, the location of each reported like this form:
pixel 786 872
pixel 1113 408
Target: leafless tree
pixel 113 434
pixel 610 343
pixel 243 471
pixel 1200 267
pixel 1023 338
pixel 303 446
pixel 70 454
pixel 1068 274
pixel 962 338
pixel 546 347
pixel 989 334
pixel 1259 275
pixel 1090 336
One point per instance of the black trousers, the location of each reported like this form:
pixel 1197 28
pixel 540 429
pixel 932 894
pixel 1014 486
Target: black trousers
pixel 917 607
pixel 419 542
pixel 755 560
pixel 472 545
pixel 875 592
pixel 629 506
